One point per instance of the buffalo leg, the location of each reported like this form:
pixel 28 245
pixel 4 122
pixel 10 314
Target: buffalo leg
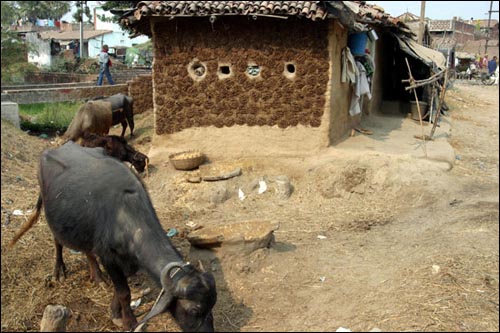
pixel 130 120
pixel 59 266
pixel 95 272
pixel 121 313
pixel 124 126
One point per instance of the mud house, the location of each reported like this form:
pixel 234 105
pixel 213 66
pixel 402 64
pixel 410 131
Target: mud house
pixel 258 76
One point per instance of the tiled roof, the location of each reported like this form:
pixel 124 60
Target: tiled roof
pixel 308 9
pixel 354 14
pixel 136 20
pixel 376 16
pixel 408 17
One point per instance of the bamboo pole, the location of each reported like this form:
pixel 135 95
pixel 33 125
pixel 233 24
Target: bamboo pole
pixel 418 107
pixel 419 83
pixel 440 103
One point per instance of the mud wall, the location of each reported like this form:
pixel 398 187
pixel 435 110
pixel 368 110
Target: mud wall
pixel 340 99
pixel 141 90
pixel 50 95
pixel 201 76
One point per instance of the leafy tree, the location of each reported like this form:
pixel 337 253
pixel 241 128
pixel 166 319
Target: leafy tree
pixel 14 64
pixel 42 9
pixel 108 5
pixel 9 15
pixel 82 7
pixel 31 10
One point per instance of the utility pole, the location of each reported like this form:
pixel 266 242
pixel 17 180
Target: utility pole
pixel 422 24
pixel 81 4
pixel 489 22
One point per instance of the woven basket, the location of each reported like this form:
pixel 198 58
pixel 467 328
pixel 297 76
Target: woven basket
pixel 187 160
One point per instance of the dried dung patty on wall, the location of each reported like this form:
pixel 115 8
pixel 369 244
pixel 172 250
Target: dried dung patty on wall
pixel 267 98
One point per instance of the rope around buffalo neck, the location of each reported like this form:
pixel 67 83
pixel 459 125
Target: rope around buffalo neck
pixel 175 270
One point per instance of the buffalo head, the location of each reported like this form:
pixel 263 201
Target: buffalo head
pixel 189 295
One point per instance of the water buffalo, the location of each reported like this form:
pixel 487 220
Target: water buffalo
pixel 95 204
pixel 117 147
pixel 92 117
pixel 122 107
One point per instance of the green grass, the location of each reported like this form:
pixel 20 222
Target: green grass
pixel 47 117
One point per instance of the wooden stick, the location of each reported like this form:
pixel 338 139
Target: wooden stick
pixel 429 79
pixel 422 84
pixel 438 109
pixel 55 318
pixel 433 94
pixel 418 108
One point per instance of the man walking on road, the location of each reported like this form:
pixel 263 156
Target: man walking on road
pixel 104 64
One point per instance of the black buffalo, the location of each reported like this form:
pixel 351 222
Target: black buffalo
pixel 95 204
pixel 116 146
pixel 122 111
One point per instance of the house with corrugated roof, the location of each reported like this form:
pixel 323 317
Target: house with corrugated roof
pixel 278 74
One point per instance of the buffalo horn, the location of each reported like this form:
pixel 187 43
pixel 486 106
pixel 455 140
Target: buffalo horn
pixel 201 266
pixel 164 273
pixel 165 297
pixel 161 304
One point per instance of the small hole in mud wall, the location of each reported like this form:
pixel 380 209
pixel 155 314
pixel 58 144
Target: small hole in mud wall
pixel 197 70
pixel 253 70
pixel 290 70
pixel 224 71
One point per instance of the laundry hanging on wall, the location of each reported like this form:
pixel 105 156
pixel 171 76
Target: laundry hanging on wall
pixel 361 88
pixel 349 69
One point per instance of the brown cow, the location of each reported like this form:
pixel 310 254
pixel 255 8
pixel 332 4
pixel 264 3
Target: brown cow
pixel 92 117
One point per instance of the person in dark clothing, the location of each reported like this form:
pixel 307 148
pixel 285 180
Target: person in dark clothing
pixel 492 65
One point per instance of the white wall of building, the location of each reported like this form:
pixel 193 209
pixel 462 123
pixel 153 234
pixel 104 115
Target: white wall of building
pixel 119 37
pixel 116 38
pixel 42 57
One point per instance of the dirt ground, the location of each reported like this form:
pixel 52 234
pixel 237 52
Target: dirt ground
pixel 406 246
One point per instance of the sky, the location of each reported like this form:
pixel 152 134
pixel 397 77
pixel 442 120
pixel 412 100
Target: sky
pixel 441 10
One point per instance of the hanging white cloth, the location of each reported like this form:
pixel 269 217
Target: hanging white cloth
pixel 361 88
pixel 349 69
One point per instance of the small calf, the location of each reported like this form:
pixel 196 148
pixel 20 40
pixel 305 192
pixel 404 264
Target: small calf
pixel 116 146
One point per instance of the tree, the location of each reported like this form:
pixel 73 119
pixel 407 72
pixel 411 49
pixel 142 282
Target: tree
pixel 9 15
pixel 82 7
pixel 42 9
pixel 14 62
pixel 108 5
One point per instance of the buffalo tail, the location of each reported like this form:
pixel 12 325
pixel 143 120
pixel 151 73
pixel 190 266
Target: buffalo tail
pixel 28 224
